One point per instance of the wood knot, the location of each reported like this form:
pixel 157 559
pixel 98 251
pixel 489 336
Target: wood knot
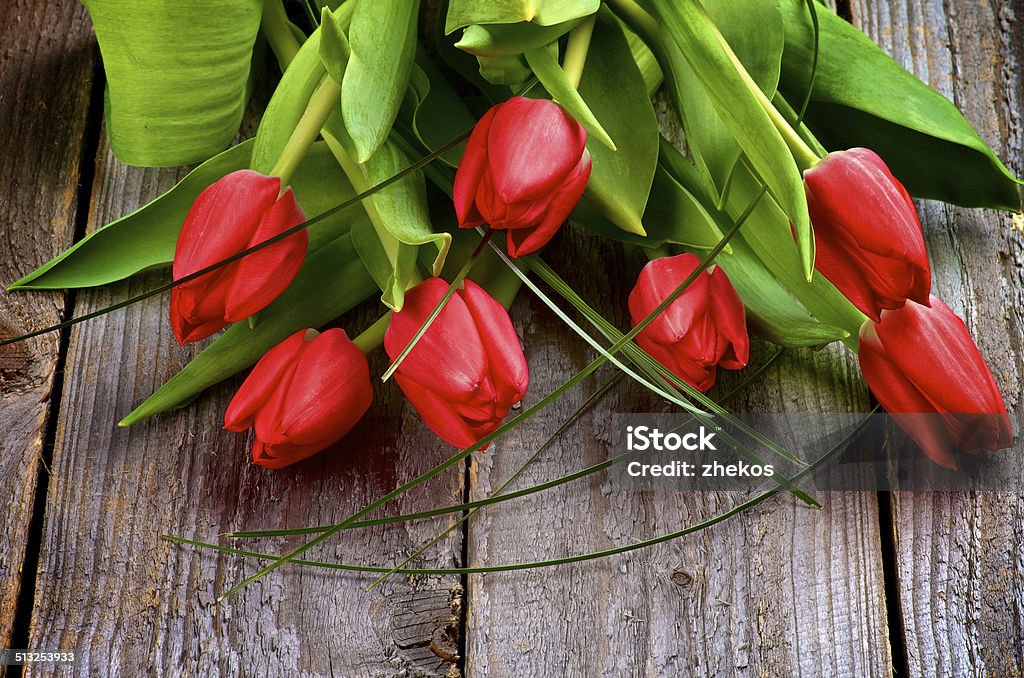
pixel 682 578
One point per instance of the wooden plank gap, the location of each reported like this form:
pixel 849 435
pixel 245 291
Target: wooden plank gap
pixel 87 176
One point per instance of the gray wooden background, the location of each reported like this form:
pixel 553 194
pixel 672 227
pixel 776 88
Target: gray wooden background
pixel 920 584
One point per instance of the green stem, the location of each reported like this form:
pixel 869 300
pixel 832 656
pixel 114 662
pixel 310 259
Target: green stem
pixel 638 19
pixel 278 33
pixel 319 108
pixel 658 252
pixel 576 50
pixel 373 336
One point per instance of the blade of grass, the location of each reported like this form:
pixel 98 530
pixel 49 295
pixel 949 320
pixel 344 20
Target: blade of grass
pixel 593 555
pixel 457 508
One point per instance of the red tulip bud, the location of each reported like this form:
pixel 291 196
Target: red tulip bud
pixel 866 232
pixel 523 171
pixel 305 394
pixel 467 370
pixel 704 328
pixel 238 211
pixel 921 361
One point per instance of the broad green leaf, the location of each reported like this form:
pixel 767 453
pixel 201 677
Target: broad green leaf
pixel 439 114
pixel 645 60
pixel 541 12
pixel 613 86
pixel 673 216
pixel 544 64
pixel 690 27
pixel 510 39
pixel 177 75
pixel 382 38
pixel 770 307
pixel 755 31
pixel 862 97
pixel 332 281
pixel 146 238
pixel 461 62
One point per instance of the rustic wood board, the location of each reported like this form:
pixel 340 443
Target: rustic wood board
pixel 781 590
pixel 960 556
pixel 136 605
pixel 46 67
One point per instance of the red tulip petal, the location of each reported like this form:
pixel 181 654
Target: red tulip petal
pixel 270 373
pixel 934 349
pixel 437 414
pixel 520 243
pixel 329 392
pixel 222 219
pixel 532 146
pixel 262 276
pixel 449 358
pixel 505 359
pixel 471 169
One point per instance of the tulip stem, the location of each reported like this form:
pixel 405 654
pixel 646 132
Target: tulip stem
pixel 278 33
pixel 323 102
pixel 576 51
pixel 373 336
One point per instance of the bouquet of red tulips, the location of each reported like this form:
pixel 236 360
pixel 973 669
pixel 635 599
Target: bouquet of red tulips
pixel 429 169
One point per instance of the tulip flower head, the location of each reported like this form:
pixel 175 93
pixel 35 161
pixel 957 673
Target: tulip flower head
pixel 925 370
pixel 524 169
pixel 867 236
pixel 703 329
pixel 467 370
pixel 305 394
pixel 235 213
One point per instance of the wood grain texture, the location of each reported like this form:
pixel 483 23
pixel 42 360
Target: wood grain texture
pixel 960 556
pixel 136 605
pixel 780 590
pixel 46 65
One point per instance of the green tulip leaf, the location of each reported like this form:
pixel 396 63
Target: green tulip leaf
pixel 756 33
pixel 334 50
pixel 177 75
pixel 511 39
pixel 862 97
pixel 694 32
pixel 382 38
pixel 438 115
pixel 674 216
pixel 620 180
pixel 545 66
pixel 147 237
pixel 770 307
pixel 463 13
pixel 332 281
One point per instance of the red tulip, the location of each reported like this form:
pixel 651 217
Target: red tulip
pixel 524 169
pixel 467 370
pixel 236 212
pixel 305 394
pixel 866 231
pixel 925 370
pixel 704 328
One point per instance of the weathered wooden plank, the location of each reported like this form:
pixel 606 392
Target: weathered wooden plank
pixel 781 590
pixel 46 64
pixel 136 605
pixel 960 556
